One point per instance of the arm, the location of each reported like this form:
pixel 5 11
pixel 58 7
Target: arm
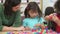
pixel 1 26
pixel 41 24
pixel 56 20
pixel 5 28
pixel 25 25
pixel 17 21
pixel 16 25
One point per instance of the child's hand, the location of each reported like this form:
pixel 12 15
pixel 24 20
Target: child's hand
pixel 46 17
pixel 37 25
pixel 40 25
pixel 49 17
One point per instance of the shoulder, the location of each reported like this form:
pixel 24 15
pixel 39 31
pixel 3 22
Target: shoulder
pixel 18 12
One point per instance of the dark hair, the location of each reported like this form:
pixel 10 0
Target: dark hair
pixel 8 6
pixel 51 24
pixel 32 6
pixel 49 10
pixel 57 6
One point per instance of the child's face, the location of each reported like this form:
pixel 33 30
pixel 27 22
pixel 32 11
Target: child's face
pixel 33 13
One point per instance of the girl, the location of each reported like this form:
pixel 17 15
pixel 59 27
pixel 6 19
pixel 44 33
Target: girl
pixel 10 16
pixel 55 17
pixel 48 11
pixel 33 16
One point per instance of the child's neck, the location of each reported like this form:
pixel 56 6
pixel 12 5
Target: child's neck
pixel 32 17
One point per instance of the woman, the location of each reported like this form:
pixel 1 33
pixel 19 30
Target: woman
pixel 10 16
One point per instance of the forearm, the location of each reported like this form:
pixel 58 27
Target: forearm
pixel 5 28
pixel 58 22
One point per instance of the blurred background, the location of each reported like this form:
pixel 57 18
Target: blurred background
pixel 43 4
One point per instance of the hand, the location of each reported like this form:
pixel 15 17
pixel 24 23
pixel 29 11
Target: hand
pixel 19 28
pixel 37 25
pixel 27 28
pixel 48 17
pixel 42 26
pixel 56 20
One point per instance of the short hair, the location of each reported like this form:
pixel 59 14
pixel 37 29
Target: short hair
pixel 49 10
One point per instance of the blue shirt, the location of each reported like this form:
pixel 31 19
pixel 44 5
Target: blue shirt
pixel 30 22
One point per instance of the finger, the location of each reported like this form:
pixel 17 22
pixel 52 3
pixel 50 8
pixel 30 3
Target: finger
pixel 51 15
pixel 55 17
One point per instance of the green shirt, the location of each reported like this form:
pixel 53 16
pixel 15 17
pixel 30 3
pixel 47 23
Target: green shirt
pixel 13 20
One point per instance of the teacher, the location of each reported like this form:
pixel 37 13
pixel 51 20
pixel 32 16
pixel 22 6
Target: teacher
pixel 10 16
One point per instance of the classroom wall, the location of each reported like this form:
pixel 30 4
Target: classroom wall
pixel 47 3
pixel 42 4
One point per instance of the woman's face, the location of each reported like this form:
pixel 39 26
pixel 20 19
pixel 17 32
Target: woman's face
pixel 15 8
pixel 33 13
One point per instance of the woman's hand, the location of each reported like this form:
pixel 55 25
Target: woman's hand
pixel 19 28
pixel 27 28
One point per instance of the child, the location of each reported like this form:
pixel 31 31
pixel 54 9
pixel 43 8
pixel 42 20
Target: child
pixel 48 11
pixel 33 16
pixel 55 17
